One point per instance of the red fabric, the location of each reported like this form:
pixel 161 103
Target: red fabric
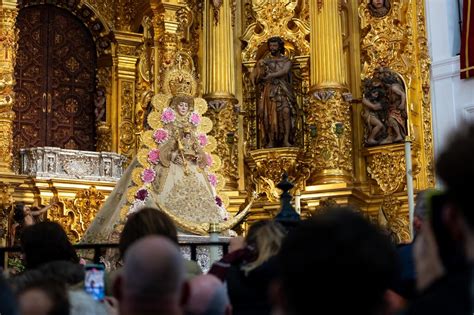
pixel 467 40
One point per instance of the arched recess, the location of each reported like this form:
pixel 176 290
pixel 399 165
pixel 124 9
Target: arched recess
pixel 55 76
pixel 55 91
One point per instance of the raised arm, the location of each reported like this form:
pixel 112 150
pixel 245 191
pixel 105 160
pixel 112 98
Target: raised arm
pixel 370 105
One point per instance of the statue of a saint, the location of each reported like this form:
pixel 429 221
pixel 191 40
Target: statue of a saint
pixel 276 108
pixel 379 8
pixel 385 108
pixel 99 102
pixel 171 171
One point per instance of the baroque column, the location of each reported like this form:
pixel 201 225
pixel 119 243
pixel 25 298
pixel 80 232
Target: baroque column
pixel 219 84
pixel 329 112
pixel 8 42
pixel 125 59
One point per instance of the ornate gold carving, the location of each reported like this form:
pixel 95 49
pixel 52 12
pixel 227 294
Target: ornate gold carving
pixel 225 121
pixel 124 14
pixel 397 40
pixel 178 82
pixel 6 204
pixel 396 221
pixel 331 145
pixel 104 137
pixel 8 48
pixel 216 6
pixel 105 7
pixel 425 66
pixel 127 130
pixel 387 41
pixel 268 165
pixel 75 215
pixel 387 168
pixel 275 18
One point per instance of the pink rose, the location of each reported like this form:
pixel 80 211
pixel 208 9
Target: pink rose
pixel 195 118
pixel 148 175
pixel 160 135
pixel 202 139
pixel 154 156
pixel 209 160
pixel 141 194
pixel 168 115
pixel 212 179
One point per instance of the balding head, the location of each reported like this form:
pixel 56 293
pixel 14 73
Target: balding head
pixel 208 296
pixel 152 278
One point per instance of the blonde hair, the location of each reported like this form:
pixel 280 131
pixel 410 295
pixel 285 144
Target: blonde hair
pixel 266 237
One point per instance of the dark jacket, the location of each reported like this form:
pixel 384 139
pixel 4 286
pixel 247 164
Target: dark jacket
pixel 452 294
pixel 249 293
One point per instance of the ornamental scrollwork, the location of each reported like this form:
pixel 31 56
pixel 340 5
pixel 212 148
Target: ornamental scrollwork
pixel 396 221
pixel 75 215
pixel 388 170
pixel 275 18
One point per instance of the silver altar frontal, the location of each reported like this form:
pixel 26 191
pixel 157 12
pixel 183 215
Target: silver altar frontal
pixel 52 162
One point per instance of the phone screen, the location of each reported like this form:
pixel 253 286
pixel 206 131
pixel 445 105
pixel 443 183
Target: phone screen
pixel 94 281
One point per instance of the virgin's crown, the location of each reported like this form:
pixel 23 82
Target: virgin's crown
pixel 180 80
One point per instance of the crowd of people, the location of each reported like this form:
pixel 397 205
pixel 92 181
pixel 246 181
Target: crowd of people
pixel 336 262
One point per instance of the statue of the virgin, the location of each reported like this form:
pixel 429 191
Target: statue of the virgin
pixel 172 169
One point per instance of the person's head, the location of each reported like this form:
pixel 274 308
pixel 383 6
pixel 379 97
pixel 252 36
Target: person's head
pixel 182 104
pixel 207 296
pixel 183 108
pixel 265 237
pixel 147 221
pixel 152 280
pixel 43 297
pixel 45 242
pixel 378 4
pixel 336 251
pixel 64 271
pixel 19 212
pixel 456 170
pixel 276 45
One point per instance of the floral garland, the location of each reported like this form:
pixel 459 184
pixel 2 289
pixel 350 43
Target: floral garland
pixel 148 175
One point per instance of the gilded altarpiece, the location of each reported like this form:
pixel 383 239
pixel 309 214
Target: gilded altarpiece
pixel 137 41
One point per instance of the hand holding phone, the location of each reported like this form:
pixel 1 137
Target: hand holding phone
pixel 94 281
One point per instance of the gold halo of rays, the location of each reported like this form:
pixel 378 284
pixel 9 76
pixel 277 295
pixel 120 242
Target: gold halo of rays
pixel 216 163
pixel 154 120
pixel 147 139
pixel 142 157
pixel 137 176
pixel 211 145
pixel 205 126
pixel 200 105
pixel 225 199
pixel 160 101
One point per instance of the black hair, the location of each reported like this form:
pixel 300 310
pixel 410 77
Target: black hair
pixel 455 168
pixel 338 252
pixel 147 221
pixel 44 242
pixel 279 40
pixel 55 290
pixel 19 212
